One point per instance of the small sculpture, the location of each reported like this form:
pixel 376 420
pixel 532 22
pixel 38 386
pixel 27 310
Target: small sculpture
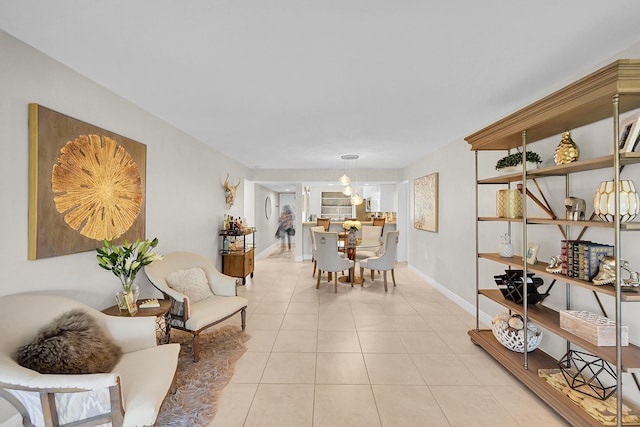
pixel 555 265
pixel 230 192
pixel 607 273
pixel 567 151
pixel 576 208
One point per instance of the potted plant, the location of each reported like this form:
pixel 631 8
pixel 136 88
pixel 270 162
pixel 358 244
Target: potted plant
pixel 125 262
pixel 512 162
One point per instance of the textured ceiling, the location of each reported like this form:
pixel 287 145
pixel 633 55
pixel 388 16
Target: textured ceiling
pixel 295 83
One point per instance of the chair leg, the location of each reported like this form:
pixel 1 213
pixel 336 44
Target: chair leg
pixel 318 282
pixel 352 273
pixel 335 282
pixel 314 268
pixel 243 318
pixel 393 276
pixel 329 275
pixel 362 276
pixel 385 280
pixel 372 273
pixel 196 347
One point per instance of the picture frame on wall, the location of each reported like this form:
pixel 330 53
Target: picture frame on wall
pixel 86 185
pixel 532 253
pixel 629 134
pixel 426 203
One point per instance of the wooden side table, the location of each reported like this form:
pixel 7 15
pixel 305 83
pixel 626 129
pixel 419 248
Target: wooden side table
pixel 162 314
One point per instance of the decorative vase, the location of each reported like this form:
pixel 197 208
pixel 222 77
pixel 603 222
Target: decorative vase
pixel 509 204
pixel 126 303
pixel 352 237
pixel 505 247
pixel 604 204
pixel 567 151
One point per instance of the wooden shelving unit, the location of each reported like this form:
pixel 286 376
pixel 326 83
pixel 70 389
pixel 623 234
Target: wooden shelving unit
pixel 606 93
pixel 239 262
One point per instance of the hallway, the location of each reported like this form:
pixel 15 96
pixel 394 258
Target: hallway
pixel 365 358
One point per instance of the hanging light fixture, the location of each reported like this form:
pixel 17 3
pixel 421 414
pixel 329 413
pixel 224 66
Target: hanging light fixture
pixel 344 179
pixel 347 191
pixel 355 198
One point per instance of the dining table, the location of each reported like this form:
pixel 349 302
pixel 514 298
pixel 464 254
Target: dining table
pixel 351 250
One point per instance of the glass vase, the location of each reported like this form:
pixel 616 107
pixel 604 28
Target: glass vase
pixel 126 303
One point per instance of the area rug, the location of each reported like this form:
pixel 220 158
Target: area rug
pixel 200 384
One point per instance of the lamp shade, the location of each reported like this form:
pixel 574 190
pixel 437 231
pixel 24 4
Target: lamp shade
pixel 344 179
pixel 347 191
pixel 356 199
pixel 604 204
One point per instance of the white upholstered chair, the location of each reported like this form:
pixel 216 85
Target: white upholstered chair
pixel 371 243
pixel 384 262
pixel 130 395
pixel 190 316
pixel 328 259
pixel 313 246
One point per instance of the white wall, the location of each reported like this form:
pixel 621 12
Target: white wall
pixel 266 228
pixel 185 198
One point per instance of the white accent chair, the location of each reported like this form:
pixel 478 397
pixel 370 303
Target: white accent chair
pixel 371 235
pixel 328 259
pixel 384 262
pixel 196 317
pixel 313 246
pixel 130 395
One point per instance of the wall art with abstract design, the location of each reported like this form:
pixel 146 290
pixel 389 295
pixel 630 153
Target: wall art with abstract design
pixel 426 203
pixel 86 185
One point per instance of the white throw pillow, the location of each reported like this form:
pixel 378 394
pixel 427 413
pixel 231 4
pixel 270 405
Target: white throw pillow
pixel 191 282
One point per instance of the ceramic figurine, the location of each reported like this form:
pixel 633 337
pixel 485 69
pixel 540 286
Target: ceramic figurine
pixel 607 273
pixel 555 265
pixel 567 151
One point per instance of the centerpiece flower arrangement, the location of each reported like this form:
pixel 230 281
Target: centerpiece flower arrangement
pixel 352 225
pixel 125 262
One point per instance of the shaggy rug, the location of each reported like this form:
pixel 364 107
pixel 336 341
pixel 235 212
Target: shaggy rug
pixel 200 384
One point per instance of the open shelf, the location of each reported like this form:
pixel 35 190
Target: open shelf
pixel 550 320
pixel 569 168
pixel 514 363
pixel 630 294
pixel 601 224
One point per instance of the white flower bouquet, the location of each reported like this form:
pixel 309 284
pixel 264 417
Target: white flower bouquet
pixel 352 225
pixel 125 261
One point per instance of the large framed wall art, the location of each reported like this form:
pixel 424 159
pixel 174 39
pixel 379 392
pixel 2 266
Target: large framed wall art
pixel 426 203
pixel 86 185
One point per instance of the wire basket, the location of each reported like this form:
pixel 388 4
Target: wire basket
pixel 513 339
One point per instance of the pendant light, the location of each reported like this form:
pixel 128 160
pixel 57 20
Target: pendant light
pixel 356 199
pixel 344 179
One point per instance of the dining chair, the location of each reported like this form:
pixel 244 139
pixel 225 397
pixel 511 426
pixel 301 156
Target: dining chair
pixel 324 222
pixel 328 259
pixel 379 222
pixel 370 243
pixel 384 262
pixel 313 246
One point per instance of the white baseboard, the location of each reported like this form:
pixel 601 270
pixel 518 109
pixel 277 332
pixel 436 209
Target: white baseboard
pixel 464 304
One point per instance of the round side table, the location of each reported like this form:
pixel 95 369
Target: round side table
pixel 162 314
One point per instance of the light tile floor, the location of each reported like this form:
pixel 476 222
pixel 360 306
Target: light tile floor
pixel 363 357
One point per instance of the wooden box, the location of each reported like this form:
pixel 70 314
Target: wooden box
pixel 596 329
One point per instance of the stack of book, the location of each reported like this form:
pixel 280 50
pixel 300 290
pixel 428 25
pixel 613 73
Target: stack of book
pixel 581 258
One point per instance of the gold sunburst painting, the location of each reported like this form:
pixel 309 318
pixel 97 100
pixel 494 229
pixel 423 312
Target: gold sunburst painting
pixel 86 185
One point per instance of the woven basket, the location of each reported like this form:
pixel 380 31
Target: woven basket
pixel 509 338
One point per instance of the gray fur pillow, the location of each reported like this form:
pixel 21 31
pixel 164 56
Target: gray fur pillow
pixel 73 343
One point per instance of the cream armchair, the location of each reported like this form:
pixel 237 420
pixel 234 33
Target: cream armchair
pixel 190 316
pixel 130 395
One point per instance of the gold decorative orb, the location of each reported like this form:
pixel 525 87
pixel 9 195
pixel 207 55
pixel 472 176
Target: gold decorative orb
pixel 567 151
